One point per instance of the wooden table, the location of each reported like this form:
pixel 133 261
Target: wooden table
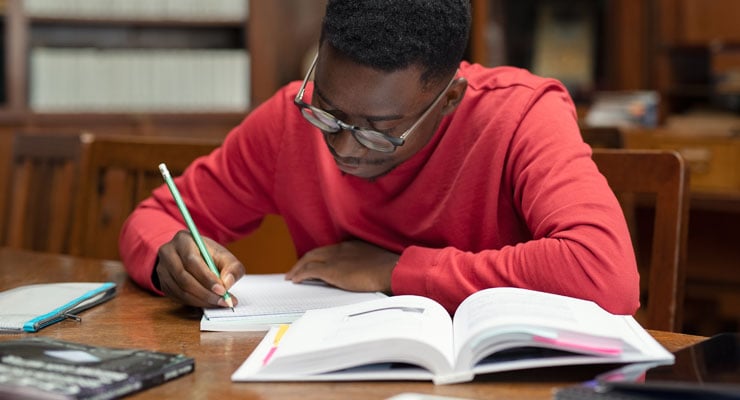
pixel 137 319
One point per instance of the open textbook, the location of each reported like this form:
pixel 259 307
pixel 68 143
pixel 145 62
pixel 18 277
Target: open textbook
pixel 268 299
pixel 414 338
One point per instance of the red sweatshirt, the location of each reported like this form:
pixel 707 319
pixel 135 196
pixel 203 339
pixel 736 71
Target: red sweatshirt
pixel 504 194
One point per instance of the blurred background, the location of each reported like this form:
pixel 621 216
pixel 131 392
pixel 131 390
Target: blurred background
pixel 644 74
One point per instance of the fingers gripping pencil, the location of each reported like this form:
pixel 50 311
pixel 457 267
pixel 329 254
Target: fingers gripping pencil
pixel 192 228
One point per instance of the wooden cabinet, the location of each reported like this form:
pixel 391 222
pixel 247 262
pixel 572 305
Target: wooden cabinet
pixel 713 158
pixel 699 22
pixel 695 60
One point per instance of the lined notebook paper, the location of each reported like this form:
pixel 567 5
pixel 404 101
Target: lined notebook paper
pixel 266 300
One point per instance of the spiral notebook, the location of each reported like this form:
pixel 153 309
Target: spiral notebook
pixel 33 307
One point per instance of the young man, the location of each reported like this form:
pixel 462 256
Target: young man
pixel 401 169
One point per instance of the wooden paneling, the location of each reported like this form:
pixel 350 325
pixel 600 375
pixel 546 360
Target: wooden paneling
pixel 481 14
pixel 626 57
pixel 6 149
pixel 283 32
pixel 705 22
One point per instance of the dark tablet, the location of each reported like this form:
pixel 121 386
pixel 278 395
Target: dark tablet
pixel 707 370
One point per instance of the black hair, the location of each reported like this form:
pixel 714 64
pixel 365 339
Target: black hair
pixel 394 34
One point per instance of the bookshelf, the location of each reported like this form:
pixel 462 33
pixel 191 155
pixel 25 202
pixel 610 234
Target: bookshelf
pixel 70 56
pixel 185 67
pixel 687 50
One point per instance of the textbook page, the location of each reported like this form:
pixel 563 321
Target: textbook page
pixel 496 319
pixel 409 329
pixel 269 299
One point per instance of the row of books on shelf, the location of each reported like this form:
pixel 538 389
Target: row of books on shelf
pixel 226 10
pixel 144 80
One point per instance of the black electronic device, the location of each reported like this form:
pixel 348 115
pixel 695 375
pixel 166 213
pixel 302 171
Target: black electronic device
pixel 709 369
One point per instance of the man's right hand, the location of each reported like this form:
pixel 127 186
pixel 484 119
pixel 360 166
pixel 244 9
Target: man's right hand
pixel 184 276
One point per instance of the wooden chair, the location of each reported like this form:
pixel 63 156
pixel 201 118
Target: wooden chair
pixel 122 171
pixel 44 179
pixel 660 177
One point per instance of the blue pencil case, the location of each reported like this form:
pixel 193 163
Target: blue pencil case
pixel 33 307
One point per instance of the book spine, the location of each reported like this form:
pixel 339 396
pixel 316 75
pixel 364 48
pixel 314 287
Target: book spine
pixel 142 382
pixel 167 374
pixel 124 388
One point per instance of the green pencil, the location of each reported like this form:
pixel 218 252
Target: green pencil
pixel 193 229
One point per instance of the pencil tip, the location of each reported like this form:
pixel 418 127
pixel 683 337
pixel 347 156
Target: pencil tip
pixel 229 303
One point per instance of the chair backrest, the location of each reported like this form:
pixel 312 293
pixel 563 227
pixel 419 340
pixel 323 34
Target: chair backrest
pixel 42 193
pixel 659 177
pixel 122 171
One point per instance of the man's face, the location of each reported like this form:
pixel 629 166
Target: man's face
pixel 387 102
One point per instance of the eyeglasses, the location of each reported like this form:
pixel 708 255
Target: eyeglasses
pixel 369 138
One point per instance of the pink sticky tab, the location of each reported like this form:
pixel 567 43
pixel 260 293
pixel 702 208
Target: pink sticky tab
pixel 269 355
pixel 579 346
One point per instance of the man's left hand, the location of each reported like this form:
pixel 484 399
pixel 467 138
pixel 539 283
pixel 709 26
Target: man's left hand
pixel 352 265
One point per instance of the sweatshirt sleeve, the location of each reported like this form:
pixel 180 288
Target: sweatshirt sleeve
pixel 580 245
pixel 227 192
